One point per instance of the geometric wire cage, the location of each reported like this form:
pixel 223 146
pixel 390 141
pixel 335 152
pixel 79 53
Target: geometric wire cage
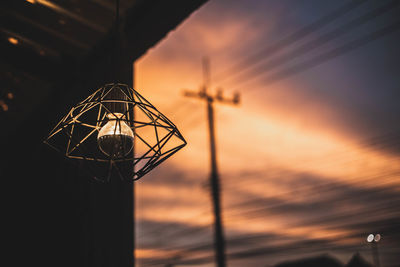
pixel 116 131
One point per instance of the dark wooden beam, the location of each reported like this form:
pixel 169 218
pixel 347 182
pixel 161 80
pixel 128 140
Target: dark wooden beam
pixel 49 36
pixel 57 22
pixel 144 31
pixel 61 217
pixel 29 60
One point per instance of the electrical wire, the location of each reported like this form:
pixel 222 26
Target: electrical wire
pixel 326 185
pixel 391 140
pixel 322 58
pixel 287 41
pixel 319 60
pixel 314 44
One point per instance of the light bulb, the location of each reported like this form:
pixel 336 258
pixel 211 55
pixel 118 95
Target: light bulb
pixel 115 138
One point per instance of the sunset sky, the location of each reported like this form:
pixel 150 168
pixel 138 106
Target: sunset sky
pixel 310 159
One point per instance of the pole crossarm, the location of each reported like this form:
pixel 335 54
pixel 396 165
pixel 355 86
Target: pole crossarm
pixel 218 97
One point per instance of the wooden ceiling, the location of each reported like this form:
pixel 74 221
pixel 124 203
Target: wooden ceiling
pixel 45 42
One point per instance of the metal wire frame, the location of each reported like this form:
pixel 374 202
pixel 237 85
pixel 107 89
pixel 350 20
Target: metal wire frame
pixel 75 136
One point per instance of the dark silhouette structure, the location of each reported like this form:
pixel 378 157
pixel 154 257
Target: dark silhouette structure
pixel 358 261
pixel 323 260
pixel 214 176
pixel 54 54
pixel 326 261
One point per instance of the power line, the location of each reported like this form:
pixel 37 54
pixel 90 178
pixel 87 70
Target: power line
pixel 320 189
pixel 323 244
pixel 355 44
pixel 241 240
pixel 384 141
pixel 377 140
pixel 308 64
pixel 314 44
pixel 294 37
pixel 262 238
pixel 316 189
pixel 157 230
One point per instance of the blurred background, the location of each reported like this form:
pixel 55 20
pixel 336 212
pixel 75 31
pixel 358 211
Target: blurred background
pixel 309 161
pixel 305 95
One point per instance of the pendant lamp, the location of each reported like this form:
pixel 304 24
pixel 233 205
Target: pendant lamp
pixel 116 132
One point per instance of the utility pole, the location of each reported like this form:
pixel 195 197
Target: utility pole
pixel 203 94
pixel 133 184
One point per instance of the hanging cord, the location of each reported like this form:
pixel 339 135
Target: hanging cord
pixel 116 59
pixel 118 44
pixel 116 15
pixel 119 60
pixel 117 40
